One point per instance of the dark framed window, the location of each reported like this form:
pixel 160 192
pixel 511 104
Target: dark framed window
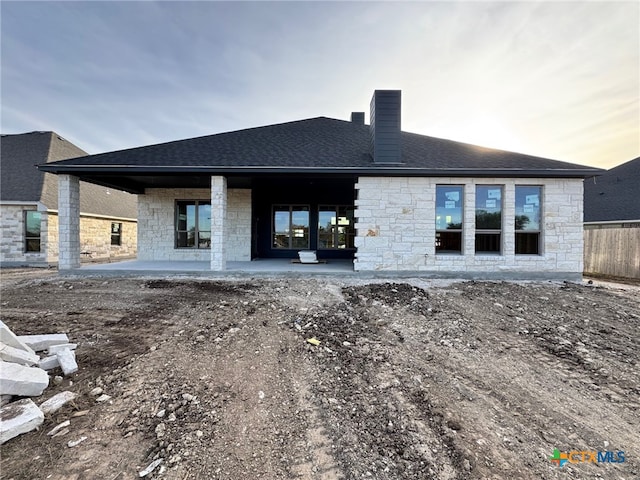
pixel 449 215
pixel 290 227
pixel 193 224
pixel 116 233
pixel 336 227
pixel 488 219
pixel 528 219
pixel 32 231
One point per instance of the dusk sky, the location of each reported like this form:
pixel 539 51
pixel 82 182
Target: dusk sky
pixel 553 79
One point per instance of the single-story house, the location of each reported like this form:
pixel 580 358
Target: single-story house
pixel 385 199
pixel 106 222
pixel 612 222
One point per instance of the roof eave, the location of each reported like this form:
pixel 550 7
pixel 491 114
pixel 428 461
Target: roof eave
pixel 394 170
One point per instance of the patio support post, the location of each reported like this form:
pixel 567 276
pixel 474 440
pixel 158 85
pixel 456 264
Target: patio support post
pixel 68 222
pixel 218 223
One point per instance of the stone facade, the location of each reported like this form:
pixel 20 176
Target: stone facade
pixel 396 228
pixel 69 221
pixel 156 225
pixel 95 237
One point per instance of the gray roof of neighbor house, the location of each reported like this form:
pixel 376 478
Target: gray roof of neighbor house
pixel 314 146
pixel 614 195
pixel 23 182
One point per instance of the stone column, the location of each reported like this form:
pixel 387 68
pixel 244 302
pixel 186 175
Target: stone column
pixel 218 223
pixel 68 222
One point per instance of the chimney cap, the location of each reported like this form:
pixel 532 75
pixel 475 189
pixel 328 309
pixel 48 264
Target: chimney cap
pixel 357 117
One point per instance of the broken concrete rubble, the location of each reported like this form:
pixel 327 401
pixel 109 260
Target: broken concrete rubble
pixel 67 361
pixel 41 342
pixel 9 338
pixel 16 355
pixel 56 402
pixel 19 417
pixel 23 381
pixel 53 349
pixel 19 378
pixel 58 427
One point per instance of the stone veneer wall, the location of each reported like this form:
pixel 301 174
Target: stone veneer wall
pixel 396 228
pixel 12 236
pixel 238 225
pixel 156 223
pixel 95 237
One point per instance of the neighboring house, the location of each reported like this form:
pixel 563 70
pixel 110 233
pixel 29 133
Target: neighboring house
pixel 612 222
pixel 29 206
pixel 389 200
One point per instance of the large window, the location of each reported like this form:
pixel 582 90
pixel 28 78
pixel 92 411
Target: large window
pixel 488 219
pixel 116 233
pixel 528 218
pixel 290 226
pixel 335 227
pixel 32 229
pixel 193 224
pixel 449 199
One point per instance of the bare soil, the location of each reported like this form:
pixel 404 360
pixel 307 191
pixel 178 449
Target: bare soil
pixel 411 380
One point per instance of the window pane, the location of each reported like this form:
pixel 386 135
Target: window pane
pixel 281 220
pixel 32 224
pixel 449 207
pixel 528 207
pixel 204 239
pixel 448 242
pixel 300 217
pixel 488 243
pixel 326 219
pixel 326 240
pixel 32 245
pixel 488 207
pixel 181 223
pixel 204 216
pixel 528 243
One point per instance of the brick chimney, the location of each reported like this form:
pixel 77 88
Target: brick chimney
pixel 384 126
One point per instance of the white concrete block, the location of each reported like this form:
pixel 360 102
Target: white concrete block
pixel 42 342
pixel 23 381
pixel 67 361
pixel 19 417
pixel 9 338
pixel 15 355
pixel 56 402
pixel 53 349
pixel 48 363
pixel 4 399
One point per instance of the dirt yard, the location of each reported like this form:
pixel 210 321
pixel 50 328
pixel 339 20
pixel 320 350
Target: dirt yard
pixel 411 380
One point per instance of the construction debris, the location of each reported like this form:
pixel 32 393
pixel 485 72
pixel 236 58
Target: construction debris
pixel 53 349
pixel 16 355
pixel 73 443
pixel 58 427
pixel 67 361
pixel 39 343
pixel 152 466
pixel 56 402
pixel 19 417
pixel 24 381
pixel 19 377
pixel 9 338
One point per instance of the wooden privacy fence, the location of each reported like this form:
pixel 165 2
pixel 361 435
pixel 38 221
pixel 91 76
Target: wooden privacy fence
pixel 612 251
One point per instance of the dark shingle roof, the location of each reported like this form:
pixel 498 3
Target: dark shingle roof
pixel 22 181
pixel 316 143
pixel 614 195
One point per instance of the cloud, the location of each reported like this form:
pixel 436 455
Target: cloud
pixel 551 76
